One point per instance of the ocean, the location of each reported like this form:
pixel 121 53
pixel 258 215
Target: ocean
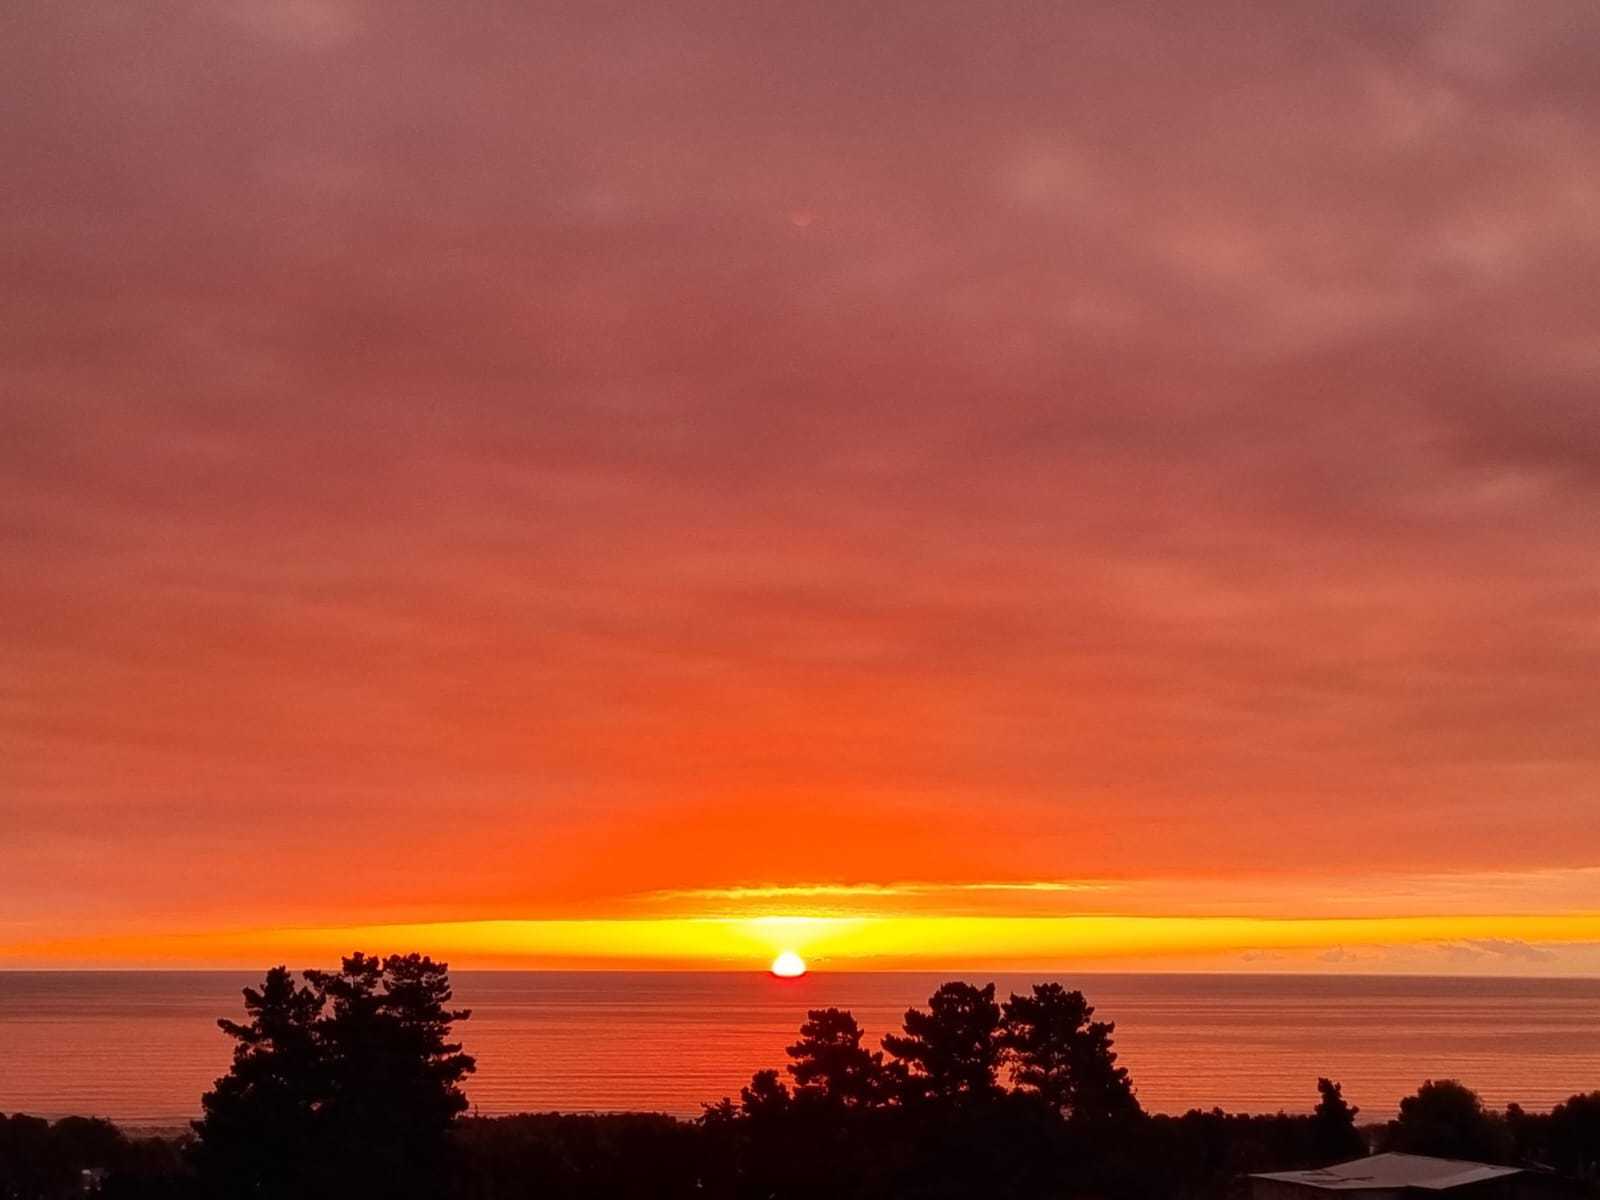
pixel 139 1047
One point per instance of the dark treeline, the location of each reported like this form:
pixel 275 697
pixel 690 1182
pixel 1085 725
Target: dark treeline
pixel 349 1084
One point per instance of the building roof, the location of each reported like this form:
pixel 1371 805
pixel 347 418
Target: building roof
pixel 1393 1171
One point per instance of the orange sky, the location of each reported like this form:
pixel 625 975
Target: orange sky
pixel 593 484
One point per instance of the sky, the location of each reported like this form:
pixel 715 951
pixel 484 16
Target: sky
pixel 924 484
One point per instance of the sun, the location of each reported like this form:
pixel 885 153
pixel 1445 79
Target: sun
pixel 788 965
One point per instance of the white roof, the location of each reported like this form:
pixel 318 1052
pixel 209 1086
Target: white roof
pixel 1393 1171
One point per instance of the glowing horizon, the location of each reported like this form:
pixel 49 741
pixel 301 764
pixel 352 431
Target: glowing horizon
pixel 1532 923
pixel 1376 945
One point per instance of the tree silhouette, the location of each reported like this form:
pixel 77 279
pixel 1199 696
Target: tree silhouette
pixel 1447 1119
pixel 394 1072
pixel 345 1087
pixel 952 1051
pixel 1575 1136
pixel 260 1132
pixel 831 1063
pixel 1333 1125
pixel 765 1097
pixel 1057 1051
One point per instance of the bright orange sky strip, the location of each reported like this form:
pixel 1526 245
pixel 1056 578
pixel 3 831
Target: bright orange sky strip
pixel 1379 945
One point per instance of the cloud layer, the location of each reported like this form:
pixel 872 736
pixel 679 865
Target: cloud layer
pixel 505 461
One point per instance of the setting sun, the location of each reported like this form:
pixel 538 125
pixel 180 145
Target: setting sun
pixel 788 965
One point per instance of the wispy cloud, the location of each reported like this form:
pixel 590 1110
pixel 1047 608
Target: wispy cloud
pixel 1285 894
pixel 1506 948
pixel 804 891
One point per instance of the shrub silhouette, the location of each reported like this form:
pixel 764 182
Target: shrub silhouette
pixel 1574 1136
pixel 1334 1134
pixel 1447 1119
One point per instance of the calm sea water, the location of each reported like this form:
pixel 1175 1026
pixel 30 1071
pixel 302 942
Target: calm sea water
pixel 140 1047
